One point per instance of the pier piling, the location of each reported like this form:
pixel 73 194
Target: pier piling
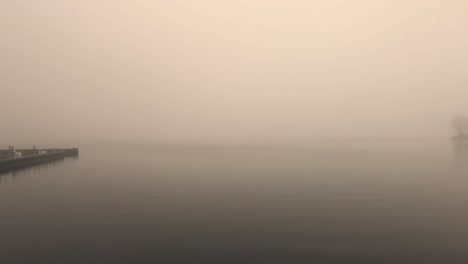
pixel 30 157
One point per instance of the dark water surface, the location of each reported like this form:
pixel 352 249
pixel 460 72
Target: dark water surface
pixel 404 203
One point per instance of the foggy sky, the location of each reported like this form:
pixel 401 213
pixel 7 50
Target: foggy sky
pixel 231 71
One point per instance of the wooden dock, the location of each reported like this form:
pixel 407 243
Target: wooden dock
pixel 34 157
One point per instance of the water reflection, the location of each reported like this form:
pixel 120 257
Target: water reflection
pixel 12 174
pixel 331 205
pixel 460 151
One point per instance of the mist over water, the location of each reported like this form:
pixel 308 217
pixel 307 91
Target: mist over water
pixel 247 131
pixel 378 204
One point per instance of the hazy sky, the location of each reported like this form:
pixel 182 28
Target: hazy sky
pixel 239 70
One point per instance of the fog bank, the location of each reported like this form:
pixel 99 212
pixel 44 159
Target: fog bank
pixel 231 71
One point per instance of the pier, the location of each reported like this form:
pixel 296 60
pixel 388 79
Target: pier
pixel 14 159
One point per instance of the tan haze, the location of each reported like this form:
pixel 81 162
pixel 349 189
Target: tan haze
pixel 231 71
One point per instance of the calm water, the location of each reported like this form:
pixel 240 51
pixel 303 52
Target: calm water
pixel 387 203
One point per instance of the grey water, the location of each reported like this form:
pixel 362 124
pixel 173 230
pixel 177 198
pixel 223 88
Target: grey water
pixel 326 203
